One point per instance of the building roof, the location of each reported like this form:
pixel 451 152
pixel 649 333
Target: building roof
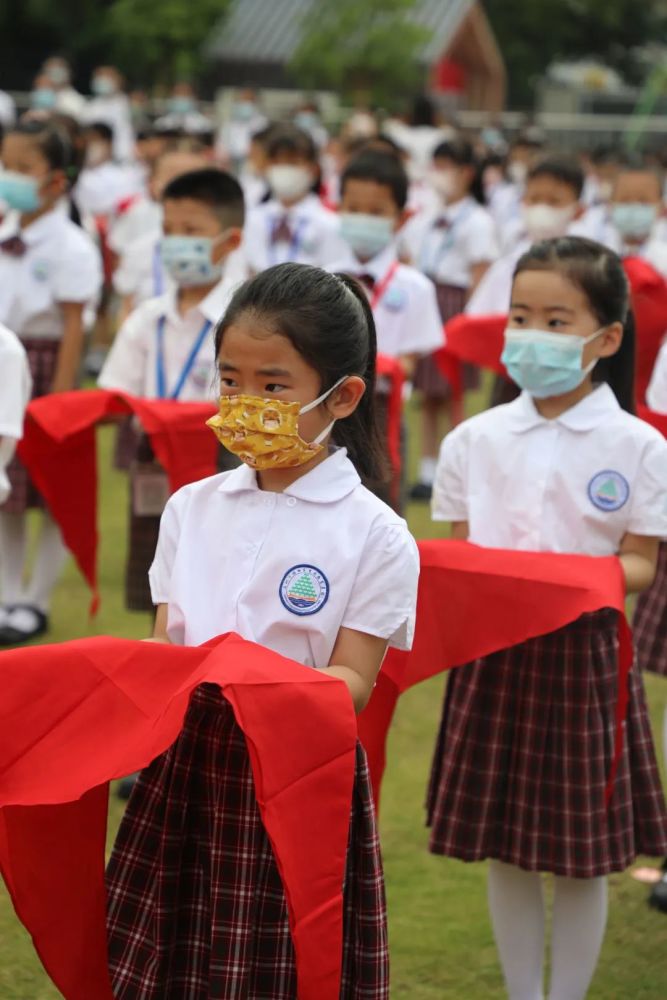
pixel 269 31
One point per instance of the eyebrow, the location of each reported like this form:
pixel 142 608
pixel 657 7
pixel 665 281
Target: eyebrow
pixel 566 309
pixel 225 366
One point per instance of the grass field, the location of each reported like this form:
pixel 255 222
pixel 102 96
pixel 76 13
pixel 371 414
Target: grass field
pixel 441 942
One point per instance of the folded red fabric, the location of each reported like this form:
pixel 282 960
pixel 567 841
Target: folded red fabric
pixel 75 715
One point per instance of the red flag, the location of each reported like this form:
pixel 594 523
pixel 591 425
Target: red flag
pixel 113 707
pixel 523 594
pixel 477 340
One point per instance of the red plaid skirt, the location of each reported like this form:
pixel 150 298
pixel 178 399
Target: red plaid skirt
pixel 523 754
pixel 650 621
pixel 196 906
pixel 42 358
pixel 428 377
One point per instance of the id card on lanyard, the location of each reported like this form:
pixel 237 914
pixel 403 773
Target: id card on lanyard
pixel 294 243
pixel 428 263
pixel 161 375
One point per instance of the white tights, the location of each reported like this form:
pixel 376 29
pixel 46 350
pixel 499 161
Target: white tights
pixel 50 557
pixel 517 914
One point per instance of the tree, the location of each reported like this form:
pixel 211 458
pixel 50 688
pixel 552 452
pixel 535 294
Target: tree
pixel 534 33
pixel 160 40
pixel 367 47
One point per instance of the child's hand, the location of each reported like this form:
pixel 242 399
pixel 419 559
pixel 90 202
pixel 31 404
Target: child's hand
pixel 157 638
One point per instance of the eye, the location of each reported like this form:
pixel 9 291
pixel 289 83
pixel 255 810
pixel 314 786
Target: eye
pixel 517 320
pixel 227 383
pixel 557 324
pixel 274 387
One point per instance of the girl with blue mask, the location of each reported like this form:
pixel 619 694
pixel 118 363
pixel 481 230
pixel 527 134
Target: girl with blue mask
pixel 524 756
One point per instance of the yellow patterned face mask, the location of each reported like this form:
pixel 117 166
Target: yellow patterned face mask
pixel 264 433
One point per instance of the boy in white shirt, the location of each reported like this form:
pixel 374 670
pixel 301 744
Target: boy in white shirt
pixel 164 350
pixel 15 388
pixel 103 183
pixel 637 226
pixel 293 225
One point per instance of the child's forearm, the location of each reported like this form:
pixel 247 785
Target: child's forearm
pixel 358 686
pixel 639 572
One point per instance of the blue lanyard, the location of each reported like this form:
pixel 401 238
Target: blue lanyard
pixel 445 244
pixel 158 284
pixel 187 367
pixel 294 246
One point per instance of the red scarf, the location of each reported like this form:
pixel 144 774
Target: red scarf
pixel 76 715
pixel 474 601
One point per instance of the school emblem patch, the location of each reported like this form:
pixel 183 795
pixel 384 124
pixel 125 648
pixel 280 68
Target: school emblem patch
pixel 304 590
pixel 608 490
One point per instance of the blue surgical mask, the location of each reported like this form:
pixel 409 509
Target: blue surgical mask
pixel 20 191
pixel 367 235
pixel 306 120
pixel 103 86
pixel 42 99
pixel 243 111
pixel 181 105
pixel 546 364
pixel 188 259
pixel 634 219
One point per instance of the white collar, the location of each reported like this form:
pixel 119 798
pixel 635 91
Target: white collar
pixel 453 213
pixel 587 414
pixel 211 307
pixel 331 480
pixel 304 207
pixel 377 266
pixel 35 232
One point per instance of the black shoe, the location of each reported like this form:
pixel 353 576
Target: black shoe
pixel 421 491
pixel 658 895
pixel 23 622
pixel 125 787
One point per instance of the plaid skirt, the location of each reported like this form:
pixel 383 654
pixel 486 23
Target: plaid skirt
pixel 524 751
pixel 196 908
pixel 428 377
pixel 650 621
pixel 42 359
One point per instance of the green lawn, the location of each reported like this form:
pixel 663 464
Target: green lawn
pixel 441 942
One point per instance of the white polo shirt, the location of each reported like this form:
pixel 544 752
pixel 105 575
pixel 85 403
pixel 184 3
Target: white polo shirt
pixel 656 394
pixel 447 253
pixel 286 570
pixel 575 484
pixel 15 387
pixel 131 364
pixel 315 237
pixel 407 317
pixel 61 264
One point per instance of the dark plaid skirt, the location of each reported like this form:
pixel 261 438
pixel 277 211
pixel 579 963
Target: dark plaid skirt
pixel 650 621
pixel 523 755
pixel 428 377
pixel 43 359
pixel 196 908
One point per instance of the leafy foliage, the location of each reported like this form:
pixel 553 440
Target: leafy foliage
pixel 364 47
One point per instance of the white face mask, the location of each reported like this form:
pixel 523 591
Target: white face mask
pixel 544 222
pixel 443 183
pixel 517 172
pixel 289 182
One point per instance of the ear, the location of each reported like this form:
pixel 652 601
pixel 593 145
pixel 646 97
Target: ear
pixel 58 183
pixel 231 242
pixel 610 341
pixel 402 219
pixel 580 210
pixel 346 398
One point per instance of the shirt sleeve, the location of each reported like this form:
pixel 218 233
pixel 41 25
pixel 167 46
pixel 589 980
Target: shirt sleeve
pixel 482 239
pixel 15 388
pixel 450 495
pixel 384 597
pixel 656 394
pixel 78 275
pixel 424 327
pixel 160 573
pixel 648 515
pixel 125 365
pixel 493 293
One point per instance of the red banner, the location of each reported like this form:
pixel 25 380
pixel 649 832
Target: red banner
pixel 74 716
pixel 474 601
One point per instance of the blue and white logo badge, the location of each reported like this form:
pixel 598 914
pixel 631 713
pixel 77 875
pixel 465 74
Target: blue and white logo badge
pixel 41 270
pixel 608 490
pixel 395 299
pixel 304 590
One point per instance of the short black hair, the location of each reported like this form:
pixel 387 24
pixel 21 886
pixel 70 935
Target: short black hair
pixel 565 169
pixel 215 188
pixel 290 139
pixel 383 168
pixel 101 129
pixel 52 141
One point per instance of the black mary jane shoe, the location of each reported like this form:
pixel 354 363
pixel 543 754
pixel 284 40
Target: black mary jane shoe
pixel 658 895
pixel 24 622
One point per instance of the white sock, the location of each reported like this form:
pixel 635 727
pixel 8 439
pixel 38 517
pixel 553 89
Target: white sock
pixel 427 467
pixel 12 557
pixel 579 921
pixel 50 558
pixel 517 914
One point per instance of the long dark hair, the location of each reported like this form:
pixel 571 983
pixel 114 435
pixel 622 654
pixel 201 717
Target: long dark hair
pixel 328 320
pixel 462 153
pixel 599 273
